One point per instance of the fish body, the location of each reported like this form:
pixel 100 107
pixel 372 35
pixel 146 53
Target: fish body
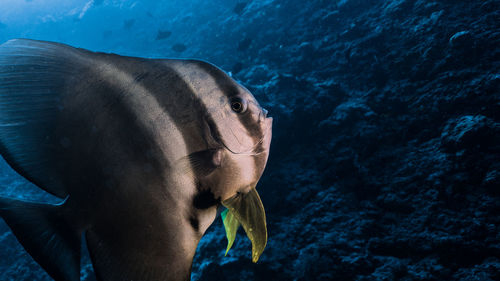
pixel 140 151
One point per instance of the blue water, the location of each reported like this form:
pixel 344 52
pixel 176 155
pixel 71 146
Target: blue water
pixel 385 157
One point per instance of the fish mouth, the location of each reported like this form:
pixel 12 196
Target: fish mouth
pixel 246 209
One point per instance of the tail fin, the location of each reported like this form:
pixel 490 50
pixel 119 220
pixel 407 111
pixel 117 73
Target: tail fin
pixel 46 235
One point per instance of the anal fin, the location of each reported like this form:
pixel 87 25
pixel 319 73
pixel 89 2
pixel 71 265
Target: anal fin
pixel 45 234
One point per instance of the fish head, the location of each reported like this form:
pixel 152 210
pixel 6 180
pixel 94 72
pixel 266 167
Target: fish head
pixel 244 133
pixel 242 129
pixel 230 160
pixel 246 138
pixel 243 125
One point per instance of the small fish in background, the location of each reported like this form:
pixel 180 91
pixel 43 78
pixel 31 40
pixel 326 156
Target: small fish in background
pixel 163 34
pixel 237 67
pixel 239 8
pixel 141 152
pixel 128 24
pixel 107 34
pixel 179 47
pixel 244 44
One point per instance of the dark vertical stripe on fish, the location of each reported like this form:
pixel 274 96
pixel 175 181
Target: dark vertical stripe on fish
pixel 229 88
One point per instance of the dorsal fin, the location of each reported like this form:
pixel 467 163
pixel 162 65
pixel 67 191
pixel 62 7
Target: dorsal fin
pixel 33 77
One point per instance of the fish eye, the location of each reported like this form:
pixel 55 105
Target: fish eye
pixel 238 105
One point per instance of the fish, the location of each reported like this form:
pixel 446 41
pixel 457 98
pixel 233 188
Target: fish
pixel 142 154
pixel 239 8
pixel 244 44
pixel 237 67
pixel 162 34
pixel 107 34
pixel 128 24
pixel 179 47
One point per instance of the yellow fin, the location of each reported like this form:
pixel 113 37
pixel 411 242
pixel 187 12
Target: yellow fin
pixel 249 211
pixel 231 224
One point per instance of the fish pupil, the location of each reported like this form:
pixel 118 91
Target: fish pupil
pixel 236 106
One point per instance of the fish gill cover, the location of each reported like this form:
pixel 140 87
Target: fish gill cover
pixel 384 163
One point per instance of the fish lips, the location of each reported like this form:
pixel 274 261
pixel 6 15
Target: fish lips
pixel 247 209
pixel 266 139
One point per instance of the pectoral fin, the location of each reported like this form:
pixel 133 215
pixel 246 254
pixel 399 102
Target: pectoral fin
pixel 201 163
pixel 248 210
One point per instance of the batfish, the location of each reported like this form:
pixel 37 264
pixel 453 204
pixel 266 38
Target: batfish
pixel 141 153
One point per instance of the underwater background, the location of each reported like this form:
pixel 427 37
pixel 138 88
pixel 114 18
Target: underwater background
pixel 385 159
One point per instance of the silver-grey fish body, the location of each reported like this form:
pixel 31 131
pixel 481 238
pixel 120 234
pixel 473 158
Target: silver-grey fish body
pixel 144 151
